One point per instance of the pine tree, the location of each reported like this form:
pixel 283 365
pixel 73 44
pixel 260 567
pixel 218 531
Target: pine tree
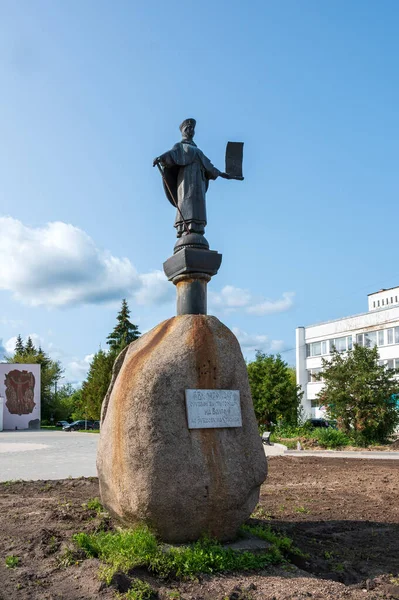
pixel 30 347
pixel 124 332
pixel 96 384
pixel 19 345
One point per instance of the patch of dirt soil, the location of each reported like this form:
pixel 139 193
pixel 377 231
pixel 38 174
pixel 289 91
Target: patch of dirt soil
pixel 343 515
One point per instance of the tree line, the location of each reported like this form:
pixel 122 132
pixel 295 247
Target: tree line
pixel 65 402
pixel 359 393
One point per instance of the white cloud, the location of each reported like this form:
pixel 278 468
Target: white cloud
pixel 60 265
pixel 231 298
pixel 268 307
pixel 155 288
pixel 76 370
pixel 251 342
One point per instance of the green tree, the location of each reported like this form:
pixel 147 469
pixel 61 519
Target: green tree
pixel 19 345
pixel 96 384
pixel 358 394
pixel 30 347
pixel 124 332
pixel 50 373
pixel 275 395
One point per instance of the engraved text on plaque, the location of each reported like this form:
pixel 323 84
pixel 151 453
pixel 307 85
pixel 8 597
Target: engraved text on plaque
pixel 213 408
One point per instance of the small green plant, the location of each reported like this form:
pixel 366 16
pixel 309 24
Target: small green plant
pixel 69 557
pixel 12 482
pixel 46 488
pixel 12 561
pixel 139 590
pixel 328 555
pixel 302 509
pixel 260 513
pixel 174 595
pixel 338 568
pixel 94 504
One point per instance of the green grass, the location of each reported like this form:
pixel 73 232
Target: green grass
pixel 12 561
pixel 139 590
pixel 94 504
pixel 124 550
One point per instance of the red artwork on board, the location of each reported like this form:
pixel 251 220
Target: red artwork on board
pixel 20 386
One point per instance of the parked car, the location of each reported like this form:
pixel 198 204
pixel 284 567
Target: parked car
pixel 319 423
pixel 79 425
pixel 96 425
pixel 61 424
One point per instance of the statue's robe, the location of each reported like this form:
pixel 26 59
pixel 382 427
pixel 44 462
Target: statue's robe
pixel 187 171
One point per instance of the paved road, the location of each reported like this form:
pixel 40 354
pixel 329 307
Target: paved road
pixel 58 454
pixel 47 454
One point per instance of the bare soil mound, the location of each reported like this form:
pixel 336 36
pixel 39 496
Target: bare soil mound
pixel 342 514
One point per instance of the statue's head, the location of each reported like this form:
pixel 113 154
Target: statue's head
pixel 187 129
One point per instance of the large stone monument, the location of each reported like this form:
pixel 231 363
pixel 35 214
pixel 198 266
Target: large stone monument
pixel 179 446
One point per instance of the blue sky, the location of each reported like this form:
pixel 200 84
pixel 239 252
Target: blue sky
pixel 92 91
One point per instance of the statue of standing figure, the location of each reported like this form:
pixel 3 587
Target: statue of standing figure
pixel 186 173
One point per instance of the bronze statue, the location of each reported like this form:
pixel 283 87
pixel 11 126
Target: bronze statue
pixel 186 173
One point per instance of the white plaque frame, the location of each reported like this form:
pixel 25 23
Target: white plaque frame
pixel 211 409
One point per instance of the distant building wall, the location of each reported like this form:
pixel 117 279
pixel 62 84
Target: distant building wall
pixel 378 327
pixel 20 389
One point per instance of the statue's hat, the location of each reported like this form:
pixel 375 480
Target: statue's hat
pixel 186 121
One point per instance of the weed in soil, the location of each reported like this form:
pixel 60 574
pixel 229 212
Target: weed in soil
pixel 12 561
pixel 93 504
pixel 139 590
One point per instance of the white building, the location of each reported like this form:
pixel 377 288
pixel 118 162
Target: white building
pixel 379 326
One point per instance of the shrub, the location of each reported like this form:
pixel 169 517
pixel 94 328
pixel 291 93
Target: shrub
pixel 331 438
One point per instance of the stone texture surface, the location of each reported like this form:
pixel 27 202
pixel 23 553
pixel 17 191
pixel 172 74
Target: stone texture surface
pixel 151 467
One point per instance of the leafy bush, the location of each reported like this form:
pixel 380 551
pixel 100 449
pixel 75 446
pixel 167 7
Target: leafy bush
pixel 331 438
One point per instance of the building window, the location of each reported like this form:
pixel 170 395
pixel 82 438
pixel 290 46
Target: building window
pixel 374 304
pixel 370 339
pixel 391 299
pixel 341 344
pixel 380 337
pixel 378 302
pixel 314 403
pixel 312 375
pixel 382 302
pixel 396 298
pixel 396 335
pixel 316 349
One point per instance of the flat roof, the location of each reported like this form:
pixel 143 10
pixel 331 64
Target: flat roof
pixel 369 312
pixel 384 290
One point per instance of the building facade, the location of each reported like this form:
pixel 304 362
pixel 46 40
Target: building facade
pixel 377 327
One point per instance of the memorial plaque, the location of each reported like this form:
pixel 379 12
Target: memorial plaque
pixel 213 408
